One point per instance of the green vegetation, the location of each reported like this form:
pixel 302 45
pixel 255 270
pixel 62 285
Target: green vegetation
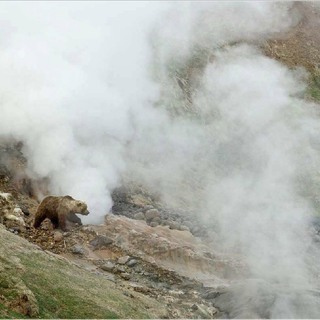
pixel 314 87
pixel 43 285
pixel 66 291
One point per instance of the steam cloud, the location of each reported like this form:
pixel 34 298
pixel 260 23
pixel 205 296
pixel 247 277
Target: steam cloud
pixel 98 92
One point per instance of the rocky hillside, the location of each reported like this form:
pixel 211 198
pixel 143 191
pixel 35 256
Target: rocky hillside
pixel 146 264
pixel 300 47
pixel 36 283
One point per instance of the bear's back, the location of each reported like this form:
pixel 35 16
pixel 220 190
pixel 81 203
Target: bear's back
pixel 51 203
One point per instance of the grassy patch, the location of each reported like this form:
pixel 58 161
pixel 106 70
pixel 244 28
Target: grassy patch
pixel 314 88
pixel 61 294
pixel 60 290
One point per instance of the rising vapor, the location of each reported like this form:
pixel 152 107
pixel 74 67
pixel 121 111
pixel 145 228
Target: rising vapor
pixel 102 92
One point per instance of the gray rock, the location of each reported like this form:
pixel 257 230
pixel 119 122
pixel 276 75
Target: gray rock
pixel 123 260
pixel 152 214
pixel 77 249
pixel 139 216
pixel 100 241
pixel 108 266
pixel 132 262
pixel 58 236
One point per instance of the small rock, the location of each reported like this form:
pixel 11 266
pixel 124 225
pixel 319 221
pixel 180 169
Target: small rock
pixel 139 216
pixel 153 224
pixel 77 249
pixel 100 241
pixel 125 276
pixel 108 266
pixel 131 263
pixel 123 260
pixel 58 236
pixel 152 214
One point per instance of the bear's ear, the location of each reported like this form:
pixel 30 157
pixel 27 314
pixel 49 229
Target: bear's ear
pixel 78 204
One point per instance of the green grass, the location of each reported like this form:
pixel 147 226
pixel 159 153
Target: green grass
pixel 314 87
pixel 60 293
pixel 61 289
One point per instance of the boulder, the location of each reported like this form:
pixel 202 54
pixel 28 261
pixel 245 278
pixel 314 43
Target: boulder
pixel 151 214
pixel 123 260
pixel 58 236
pixel 77 249
pixel 108 266
pixel 132 262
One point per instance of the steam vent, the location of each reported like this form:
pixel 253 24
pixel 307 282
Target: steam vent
pixel 160 160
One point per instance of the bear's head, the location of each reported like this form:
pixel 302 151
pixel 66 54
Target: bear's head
pixel 81 207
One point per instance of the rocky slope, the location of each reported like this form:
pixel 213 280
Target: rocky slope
pixel 123 268
pixel 36 283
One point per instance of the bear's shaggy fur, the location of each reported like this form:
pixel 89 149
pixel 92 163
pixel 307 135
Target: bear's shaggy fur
pixel 59 210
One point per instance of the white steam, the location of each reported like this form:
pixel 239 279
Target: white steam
pixel 176 96
pixel 73 74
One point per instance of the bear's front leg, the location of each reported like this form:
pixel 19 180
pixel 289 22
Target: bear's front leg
pixel 62 222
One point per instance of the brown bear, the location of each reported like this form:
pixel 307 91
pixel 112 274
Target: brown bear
pixel 59 210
